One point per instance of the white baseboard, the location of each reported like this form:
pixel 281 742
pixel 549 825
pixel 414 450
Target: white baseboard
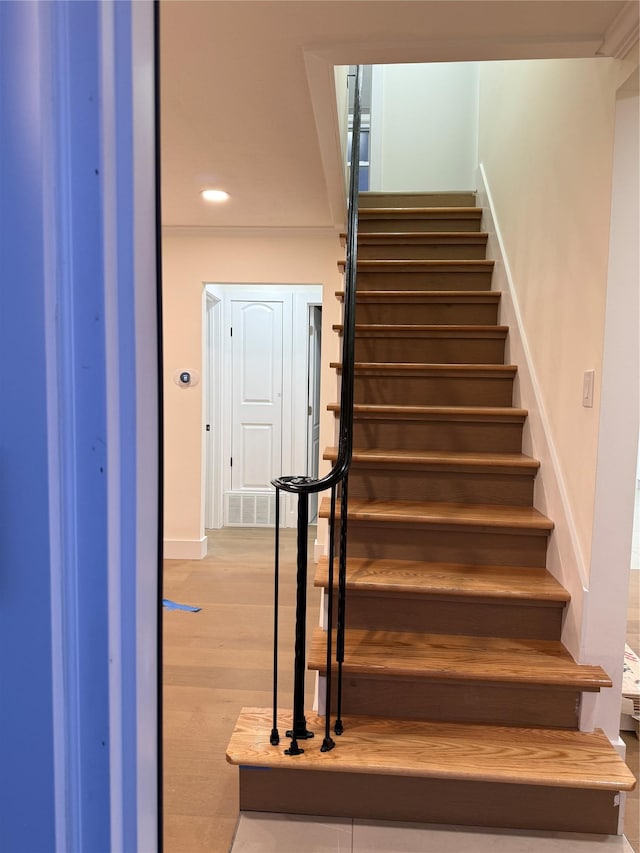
pixel 184 549
pixel 621 748
pixel 318 551
pixel 565 560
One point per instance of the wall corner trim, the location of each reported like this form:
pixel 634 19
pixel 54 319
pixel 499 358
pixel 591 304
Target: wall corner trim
pixel 185 549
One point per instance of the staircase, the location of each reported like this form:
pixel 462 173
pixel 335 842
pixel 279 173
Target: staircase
pixel 460 702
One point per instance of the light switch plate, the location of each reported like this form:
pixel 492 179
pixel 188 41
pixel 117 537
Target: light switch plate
pixel 587 388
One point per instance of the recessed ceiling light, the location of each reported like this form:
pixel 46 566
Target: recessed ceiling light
pixel 214 195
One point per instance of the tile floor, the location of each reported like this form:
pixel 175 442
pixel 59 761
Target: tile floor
pixel 267 833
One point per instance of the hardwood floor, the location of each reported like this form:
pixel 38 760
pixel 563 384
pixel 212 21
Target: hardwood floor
pixel 632 808
pixel 219 660
pixel 215 662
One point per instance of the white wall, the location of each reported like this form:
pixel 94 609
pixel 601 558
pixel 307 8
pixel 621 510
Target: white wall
pixel 190 261
pixel 341 75
pixel 546 131
pixel 545 144
pixel 425 121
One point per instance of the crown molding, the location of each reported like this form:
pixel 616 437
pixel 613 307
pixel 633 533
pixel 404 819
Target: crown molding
pixel 622 34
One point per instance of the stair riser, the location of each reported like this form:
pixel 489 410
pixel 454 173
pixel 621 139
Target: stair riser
pixel 433 391
pixel 459 702
pixel 399 224
pixel 414 542
pixel 400 199
pixel 388 280
pixel 421 252
pixel 440 801
pixel 427 314
pixel 465 616
pixel 431 350
pixel 438 435
pixel 450 486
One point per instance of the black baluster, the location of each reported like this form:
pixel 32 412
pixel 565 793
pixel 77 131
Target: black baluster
pixel 275 737
pixel 328 743
pixel 342 600
pixel 299 730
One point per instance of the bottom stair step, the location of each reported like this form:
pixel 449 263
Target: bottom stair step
pixel 434 772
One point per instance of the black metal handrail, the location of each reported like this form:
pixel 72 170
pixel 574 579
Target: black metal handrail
pixel 304 486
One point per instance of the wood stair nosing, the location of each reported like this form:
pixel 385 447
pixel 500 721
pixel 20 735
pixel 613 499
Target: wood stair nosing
pixel 370 745
pixel 457 331
pixel 513 584
pixel 423 513
pixel 400 266
pixel 505 463
pixel 447 297
pixel 409 237
pixel 486 414
pixel 455 657
pixel 425 212
pixel 413 369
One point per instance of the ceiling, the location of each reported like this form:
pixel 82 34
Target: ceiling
pixel 247 103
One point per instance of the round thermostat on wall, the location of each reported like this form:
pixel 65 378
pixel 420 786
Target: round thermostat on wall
pixel 186 378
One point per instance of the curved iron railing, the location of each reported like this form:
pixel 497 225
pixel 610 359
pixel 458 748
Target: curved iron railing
pixel 305 486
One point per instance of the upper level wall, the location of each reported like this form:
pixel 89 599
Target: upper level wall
pixel 424 126
pixel 545 144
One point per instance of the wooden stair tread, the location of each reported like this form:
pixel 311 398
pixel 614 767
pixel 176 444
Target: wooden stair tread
pixel 455 657
pixel 415 369
pixel 442 198
pixel 509 583
pixel 463 413
pixel 426 212
pixel 503 462
pixel 455 297
pixel 482 516
pixel 423 264
pixel 546 757
pixel 386 330
pixel 454 237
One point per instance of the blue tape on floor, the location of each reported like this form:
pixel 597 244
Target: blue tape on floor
pixel 173 605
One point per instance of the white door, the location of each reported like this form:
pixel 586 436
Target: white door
pixel 313 428
pixel 256 376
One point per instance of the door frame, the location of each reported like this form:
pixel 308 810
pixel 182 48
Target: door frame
pixel 314 372
pixel 296 298
pixel 82 764
pixel 212 397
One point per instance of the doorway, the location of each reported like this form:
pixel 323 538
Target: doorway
pixel 262 379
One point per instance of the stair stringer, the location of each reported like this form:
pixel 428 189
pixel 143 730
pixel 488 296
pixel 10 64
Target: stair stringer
pixel 565 558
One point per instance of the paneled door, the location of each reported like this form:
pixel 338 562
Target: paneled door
pixel 256 365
